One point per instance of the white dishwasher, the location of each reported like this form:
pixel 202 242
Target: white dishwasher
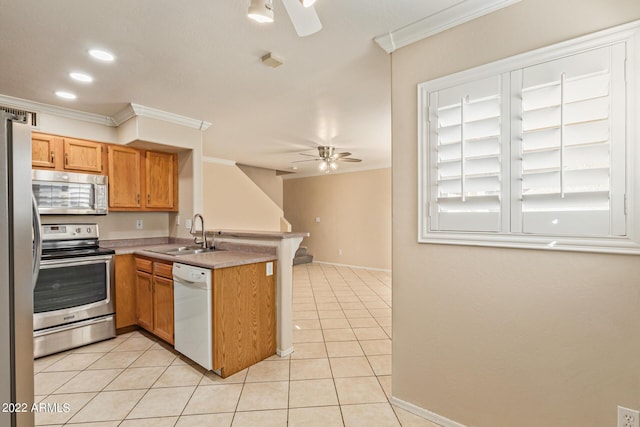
pixel 192 301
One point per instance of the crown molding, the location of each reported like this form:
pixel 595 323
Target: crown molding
pixel 133 110
pixel 116 120
pixel 462 12
pixel 207 159
pixel 68 113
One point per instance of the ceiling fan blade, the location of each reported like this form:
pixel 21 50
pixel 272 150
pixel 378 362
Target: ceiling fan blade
pixel 310 160
pixel 310 155
pixel 305 19
pixel 348 159
pixel 339 155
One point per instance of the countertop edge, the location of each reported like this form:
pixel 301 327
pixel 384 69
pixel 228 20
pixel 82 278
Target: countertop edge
pixel 257 234
pixel 201 260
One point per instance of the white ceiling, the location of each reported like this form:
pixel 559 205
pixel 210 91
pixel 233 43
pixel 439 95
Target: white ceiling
pixel 201 59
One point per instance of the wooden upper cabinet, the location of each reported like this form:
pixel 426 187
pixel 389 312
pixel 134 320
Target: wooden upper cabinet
pixel 142 180
pixel 161 178
pixel 43 151
pixel 80 155
pixel 124 178
pixel 66 154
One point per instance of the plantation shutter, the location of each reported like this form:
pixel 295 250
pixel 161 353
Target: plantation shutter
pixel 572 153
pixel 465 152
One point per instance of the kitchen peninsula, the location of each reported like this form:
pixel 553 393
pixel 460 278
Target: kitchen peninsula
pixel 244 258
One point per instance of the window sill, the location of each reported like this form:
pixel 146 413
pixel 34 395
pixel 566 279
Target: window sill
pixel 624 246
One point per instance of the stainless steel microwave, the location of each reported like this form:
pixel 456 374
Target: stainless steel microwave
pixel 67 193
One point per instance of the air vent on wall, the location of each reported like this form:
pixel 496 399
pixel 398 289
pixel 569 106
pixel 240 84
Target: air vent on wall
pixel 32 116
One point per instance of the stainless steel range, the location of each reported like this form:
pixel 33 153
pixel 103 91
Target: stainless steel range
pixel 73 297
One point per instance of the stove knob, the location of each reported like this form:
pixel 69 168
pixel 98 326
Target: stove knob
pixel 78 230
pixel 88 230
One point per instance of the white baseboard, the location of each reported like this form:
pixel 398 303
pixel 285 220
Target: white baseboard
pixel 351 266
pixel 424 413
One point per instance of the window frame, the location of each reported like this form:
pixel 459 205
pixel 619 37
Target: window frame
pixel 629 34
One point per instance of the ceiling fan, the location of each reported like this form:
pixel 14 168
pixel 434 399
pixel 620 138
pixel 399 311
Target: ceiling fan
pixel 301 12
pixel 328 158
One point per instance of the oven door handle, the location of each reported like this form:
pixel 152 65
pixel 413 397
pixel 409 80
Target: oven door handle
pixel 37 240
pixel 77 261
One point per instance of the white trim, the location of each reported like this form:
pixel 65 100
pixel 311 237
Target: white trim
pixel 226 162
pixel 152 113
pixel 123 115
pixel 68 113
pixel 116 120
pixel 133 110
pixel 352 266
pixel 457 14
pixel 424 413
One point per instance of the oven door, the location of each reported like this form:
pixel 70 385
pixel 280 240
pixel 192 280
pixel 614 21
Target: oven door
pixel 73 289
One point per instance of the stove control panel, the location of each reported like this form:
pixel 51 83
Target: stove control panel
pixel 69 231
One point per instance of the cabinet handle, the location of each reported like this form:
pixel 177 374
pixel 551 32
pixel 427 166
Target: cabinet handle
pixel 66 159
pixel 148 198
pixel 52 156
pixel 138 199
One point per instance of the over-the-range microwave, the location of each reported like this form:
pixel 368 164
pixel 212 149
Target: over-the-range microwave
pixel 67 193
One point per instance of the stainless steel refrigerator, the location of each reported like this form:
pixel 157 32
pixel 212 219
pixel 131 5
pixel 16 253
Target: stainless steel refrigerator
pixel 18 271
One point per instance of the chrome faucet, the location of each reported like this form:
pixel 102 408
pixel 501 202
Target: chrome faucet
pixel 193 231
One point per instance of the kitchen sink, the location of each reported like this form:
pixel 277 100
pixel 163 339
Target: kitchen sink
pixel 183 250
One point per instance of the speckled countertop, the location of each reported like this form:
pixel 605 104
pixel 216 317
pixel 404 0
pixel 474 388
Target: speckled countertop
pixel 218 259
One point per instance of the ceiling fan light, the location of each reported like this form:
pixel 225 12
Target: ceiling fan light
pixel 333 165
pixel 307 3
pixel 261 11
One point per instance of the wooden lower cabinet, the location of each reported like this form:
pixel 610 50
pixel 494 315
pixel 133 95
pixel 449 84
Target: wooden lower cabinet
pixel 244 317
pixel 163 308
pixel 125 298
pixel 154 297
pixel 144 300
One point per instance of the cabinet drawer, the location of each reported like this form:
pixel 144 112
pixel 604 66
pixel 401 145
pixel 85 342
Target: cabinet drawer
pixel 145 265
pixel 163 270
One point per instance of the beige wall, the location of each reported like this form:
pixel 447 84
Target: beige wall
pixel 267 180
pixel 355 216
pixel 231 201
pixel 505 337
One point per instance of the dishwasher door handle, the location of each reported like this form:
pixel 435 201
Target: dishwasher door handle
pixel 188 284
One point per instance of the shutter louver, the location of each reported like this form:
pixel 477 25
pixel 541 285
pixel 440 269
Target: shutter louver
pixel 466 156
pixel 566 167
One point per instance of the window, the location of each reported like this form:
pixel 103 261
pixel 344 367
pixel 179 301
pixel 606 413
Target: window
pixel 537 150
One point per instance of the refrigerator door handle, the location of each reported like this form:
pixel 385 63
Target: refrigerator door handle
pixel 37 240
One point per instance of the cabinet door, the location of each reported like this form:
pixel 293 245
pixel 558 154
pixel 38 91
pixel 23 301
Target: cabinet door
pixel 163 308
pixel 124 178
pixel 125 298
pixel 161 180
pixel 83 156
pixel 144 300
pixel 43 151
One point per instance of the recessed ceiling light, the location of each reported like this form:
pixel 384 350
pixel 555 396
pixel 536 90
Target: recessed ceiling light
pixel 65 95
pixel 81 77
pixel 102 55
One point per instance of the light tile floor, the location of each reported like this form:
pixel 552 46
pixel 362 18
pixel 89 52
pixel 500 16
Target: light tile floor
pixel 339 374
